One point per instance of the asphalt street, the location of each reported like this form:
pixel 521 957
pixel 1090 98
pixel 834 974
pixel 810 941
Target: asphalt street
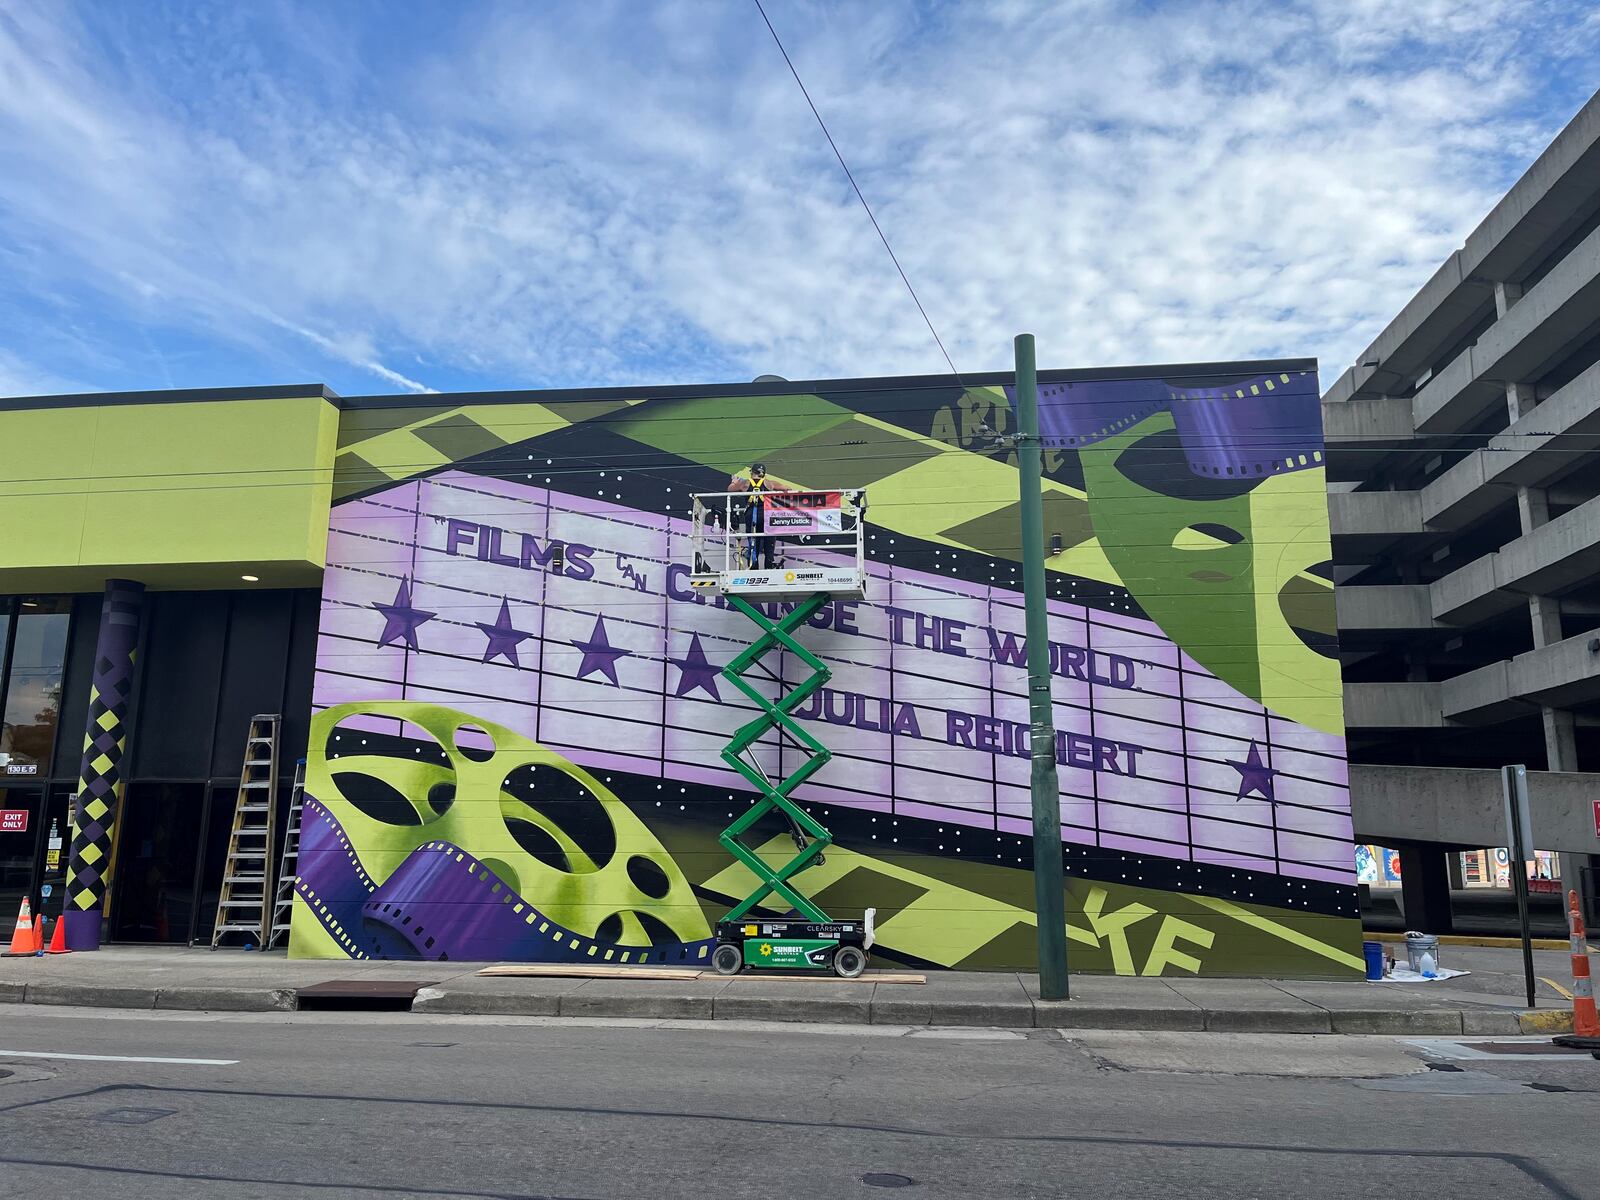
pixel 388 1105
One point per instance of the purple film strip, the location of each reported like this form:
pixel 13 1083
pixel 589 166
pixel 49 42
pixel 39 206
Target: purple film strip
pixel 1250 428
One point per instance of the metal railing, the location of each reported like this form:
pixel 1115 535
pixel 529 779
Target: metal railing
pixel 806 527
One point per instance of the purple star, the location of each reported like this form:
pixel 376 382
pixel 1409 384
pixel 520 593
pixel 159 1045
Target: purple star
pixel 1254 774
pixel 503 638
pixel 400 620
pixel 697 671
pixel 599 654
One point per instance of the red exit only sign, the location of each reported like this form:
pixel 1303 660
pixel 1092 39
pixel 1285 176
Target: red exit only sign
pixel 15 820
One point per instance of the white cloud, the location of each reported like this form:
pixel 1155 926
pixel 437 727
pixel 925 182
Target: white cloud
pixel 18 377
pixel 588 195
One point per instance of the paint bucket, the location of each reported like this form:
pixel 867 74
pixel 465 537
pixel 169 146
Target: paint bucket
pixel 1418 944
pixel 1373 951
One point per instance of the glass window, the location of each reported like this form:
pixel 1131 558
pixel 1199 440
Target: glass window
pixel 33 684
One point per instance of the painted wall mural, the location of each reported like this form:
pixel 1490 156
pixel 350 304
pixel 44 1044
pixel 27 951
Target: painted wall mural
pixel 519 711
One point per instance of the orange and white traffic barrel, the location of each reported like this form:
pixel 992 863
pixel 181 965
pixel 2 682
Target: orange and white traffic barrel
pixel 1585 1021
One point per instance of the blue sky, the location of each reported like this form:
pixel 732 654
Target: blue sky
pixel 408 196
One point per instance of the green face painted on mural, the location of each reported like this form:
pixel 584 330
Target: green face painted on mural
pixel 1225 570
pixel 548 829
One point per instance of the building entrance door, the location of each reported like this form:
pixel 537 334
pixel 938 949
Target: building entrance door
pixel 155 884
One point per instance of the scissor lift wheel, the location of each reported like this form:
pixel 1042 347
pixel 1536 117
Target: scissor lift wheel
pixel 849 961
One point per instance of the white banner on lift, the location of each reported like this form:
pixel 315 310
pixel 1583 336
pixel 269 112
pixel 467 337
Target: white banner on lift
pixel 804 512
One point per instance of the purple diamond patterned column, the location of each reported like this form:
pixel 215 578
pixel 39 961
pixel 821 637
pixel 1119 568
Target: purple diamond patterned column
pixel 105 742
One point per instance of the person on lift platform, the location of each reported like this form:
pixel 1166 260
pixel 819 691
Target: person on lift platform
pixel 763 550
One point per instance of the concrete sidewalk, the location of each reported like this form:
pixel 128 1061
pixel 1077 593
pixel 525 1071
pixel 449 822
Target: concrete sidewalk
pixel 234 980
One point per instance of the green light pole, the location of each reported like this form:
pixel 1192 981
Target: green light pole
pixel 1048 883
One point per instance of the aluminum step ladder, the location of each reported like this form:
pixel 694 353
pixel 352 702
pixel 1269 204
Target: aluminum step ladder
pixel 289 861
pixel 244 905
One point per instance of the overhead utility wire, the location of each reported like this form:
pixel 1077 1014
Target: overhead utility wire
pixel 660 460
pixel 915 299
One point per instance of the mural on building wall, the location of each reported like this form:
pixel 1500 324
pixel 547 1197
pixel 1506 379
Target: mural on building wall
pixel 519 710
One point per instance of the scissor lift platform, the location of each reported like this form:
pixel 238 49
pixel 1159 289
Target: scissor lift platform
pixel 820 536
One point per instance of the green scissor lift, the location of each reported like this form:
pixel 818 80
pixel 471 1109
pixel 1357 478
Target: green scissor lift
pixel 807 938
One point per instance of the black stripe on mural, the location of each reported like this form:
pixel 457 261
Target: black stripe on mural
pixel 588 458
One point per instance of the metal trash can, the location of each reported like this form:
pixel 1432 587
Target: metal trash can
pixel 1418 944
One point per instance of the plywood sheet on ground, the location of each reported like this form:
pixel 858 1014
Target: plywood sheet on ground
pixel 581 971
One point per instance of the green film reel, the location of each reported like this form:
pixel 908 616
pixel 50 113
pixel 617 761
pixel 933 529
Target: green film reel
pixel 397 774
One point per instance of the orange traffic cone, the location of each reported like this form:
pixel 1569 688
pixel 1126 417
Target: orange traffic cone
pixel 58 939
pixel 22 937
pixel 1585 1021
pixel 38 935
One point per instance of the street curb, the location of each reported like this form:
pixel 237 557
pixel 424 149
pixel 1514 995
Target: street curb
pixel 584 1003
pixel 1076 1014
pixel 899 1009
pixel 1433 1022
pixel 90 995
pixel 1545 1021
pixel 485 1004
pixel 1490 1023
pixel 738 1006
pixel 226 999
pixel 1269 1020
pixel 987 1014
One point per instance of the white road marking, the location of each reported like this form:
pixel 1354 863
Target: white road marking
pixel 127 1058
